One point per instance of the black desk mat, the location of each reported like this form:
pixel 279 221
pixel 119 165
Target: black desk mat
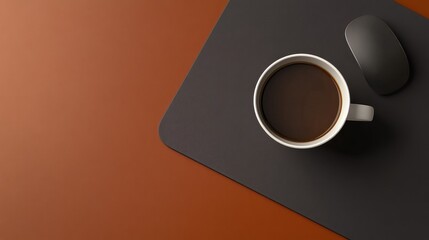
pixel 372 180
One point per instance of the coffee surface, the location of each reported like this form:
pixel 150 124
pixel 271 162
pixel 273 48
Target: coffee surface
pixel 301 102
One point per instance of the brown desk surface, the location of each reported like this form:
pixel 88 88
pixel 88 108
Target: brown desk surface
pixel 83 86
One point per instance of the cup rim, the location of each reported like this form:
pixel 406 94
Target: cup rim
pixel 311 59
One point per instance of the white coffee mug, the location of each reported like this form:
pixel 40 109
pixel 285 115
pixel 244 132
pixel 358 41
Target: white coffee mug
pixel 350 112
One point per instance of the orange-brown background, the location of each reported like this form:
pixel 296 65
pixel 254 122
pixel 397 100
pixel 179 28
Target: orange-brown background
pixel 83 86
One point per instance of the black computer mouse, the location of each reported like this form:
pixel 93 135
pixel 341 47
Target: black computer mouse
pixel 379 54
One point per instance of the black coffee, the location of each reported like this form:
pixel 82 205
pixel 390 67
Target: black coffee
pixel 301 102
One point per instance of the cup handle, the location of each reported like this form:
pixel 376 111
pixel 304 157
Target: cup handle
pixel 360 112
